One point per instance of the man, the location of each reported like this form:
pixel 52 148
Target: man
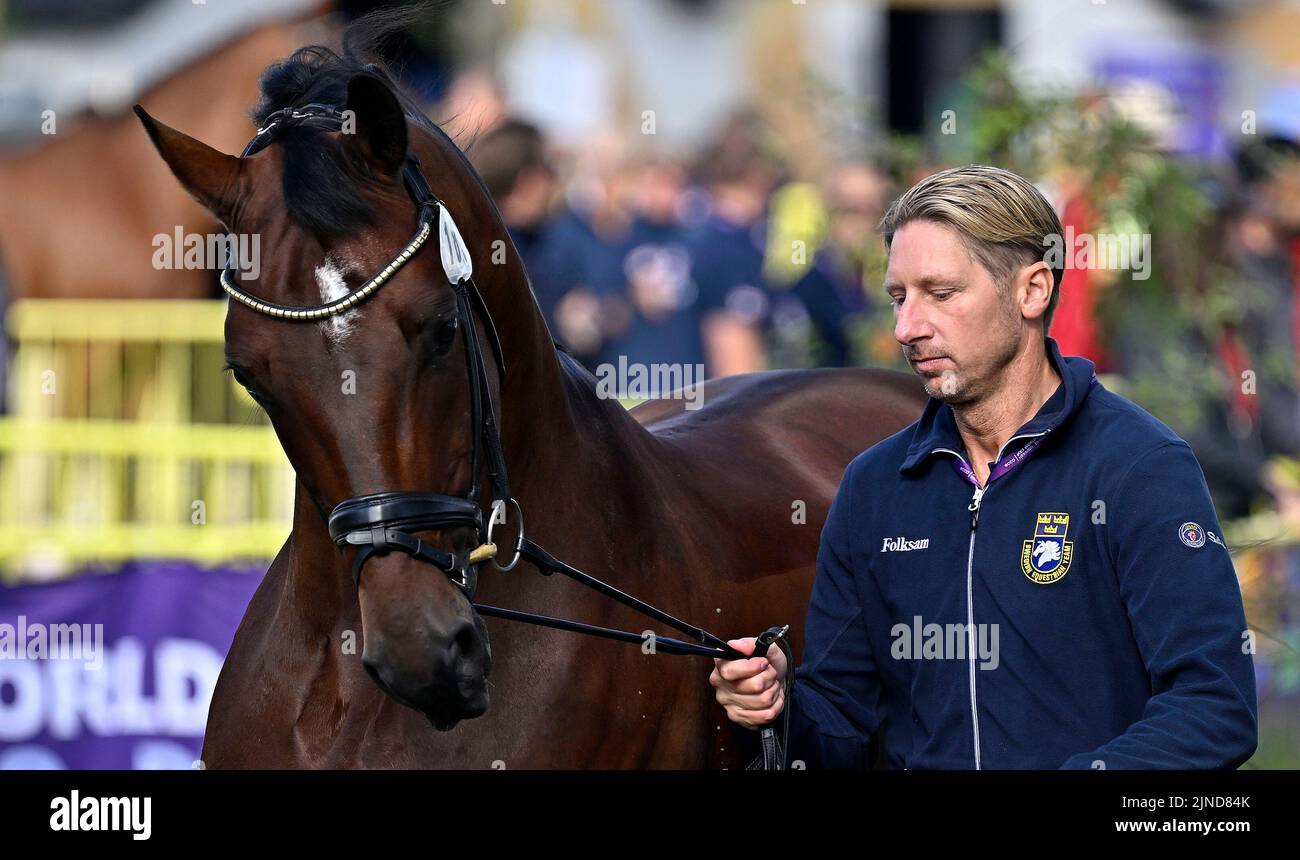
pixel 652 277
pixel 834 289
pixel 734 300
pixel 1031 575
pixel 565 256
pixel 513 162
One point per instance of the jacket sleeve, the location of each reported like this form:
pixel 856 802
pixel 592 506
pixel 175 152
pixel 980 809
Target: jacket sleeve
pixel 834 707
pixel 1184 606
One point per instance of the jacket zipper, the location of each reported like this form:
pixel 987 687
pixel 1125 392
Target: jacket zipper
pixel 974 508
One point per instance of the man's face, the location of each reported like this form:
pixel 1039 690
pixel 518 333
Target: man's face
pixel 957 331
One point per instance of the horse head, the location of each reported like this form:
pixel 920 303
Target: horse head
pixel 376 395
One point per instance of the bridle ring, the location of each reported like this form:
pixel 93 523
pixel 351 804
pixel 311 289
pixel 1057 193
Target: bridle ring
pixel 519 543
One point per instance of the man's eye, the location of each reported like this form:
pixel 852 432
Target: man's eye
pixel 943 295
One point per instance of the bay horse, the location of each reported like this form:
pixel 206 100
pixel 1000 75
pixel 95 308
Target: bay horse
pixel 350 657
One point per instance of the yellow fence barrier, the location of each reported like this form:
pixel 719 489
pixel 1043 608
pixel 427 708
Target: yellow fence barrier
pixel 123 439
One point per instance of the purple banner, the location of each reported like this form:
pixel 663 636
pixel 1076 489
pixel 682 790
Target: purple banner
pixel 115 669
pixel 1191 83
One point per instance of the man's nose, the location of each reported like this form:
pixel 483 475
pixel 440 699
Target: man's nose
pixel 910 323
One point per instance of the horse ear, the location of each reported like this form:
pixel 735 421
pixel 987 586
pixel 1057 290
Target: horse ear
pixel 208 175
pixel 379 124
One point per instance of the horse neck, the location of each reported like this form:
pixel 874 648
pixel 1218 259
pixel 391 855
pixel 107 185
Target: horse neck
pixel 565 447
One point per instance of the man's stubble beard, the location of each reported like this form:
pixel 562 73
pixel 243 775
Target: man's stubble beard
pixel 957 388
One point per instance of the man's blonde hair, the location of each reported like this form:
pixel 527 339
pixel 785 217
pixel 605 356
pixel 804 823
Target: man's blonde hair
pixel 1002 218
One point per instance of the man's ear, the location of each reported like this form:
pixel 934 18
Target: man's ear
pixel 211 177
pixel 379 137
pixel 1038 286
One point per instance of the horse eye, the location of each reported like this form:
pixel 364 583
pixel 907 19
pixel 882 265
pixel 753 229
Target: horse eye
pixel 445 335
pixel 244 383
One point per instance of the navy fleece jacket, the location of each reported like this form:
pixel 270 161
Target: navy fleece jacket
pixel 1080 611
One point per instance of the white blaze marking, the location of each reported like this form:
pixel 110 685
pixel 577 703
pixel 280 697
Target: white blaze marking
pixel 329 276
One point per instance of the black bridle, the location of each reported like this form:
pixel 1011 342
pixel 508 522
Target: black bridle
pixel 380 523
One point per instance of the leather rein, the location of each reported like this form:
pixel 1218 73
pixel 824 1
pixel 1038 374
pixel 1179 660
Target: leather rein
pixel 380 523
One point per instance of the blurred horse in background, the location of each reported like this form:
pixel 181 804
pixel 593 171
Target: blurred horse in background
pixel 79 212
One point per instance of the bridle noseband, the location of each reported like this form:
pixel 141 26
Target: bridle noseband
pixel 380 523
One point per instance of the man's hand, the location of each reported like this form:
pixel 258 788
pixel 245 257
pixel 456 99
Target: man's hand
pixel 750 690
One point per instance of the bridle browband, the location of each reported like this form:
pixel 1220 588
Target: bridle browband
pixel 379 523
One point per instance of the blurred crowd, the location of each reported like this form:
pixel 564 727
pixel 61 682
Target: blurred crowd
pixel 647 256
pixel 1249 439
pixel 728 260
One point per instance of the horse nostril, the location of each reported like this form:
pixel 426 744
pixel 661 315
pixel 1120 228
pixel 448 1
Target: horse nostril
pixel 374 668
pixel 464 656
pixel 466 645
pixel 466 653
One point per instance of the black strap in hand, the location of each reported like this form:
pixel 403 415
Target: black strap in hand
pixel 773 755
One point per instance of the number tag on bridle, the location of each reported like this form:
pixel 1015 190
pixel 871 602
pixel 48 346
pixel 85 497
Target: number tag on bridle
pixel 455 256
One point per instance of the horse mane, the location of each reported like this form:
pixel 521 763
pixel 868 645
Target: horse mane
pixel 322 189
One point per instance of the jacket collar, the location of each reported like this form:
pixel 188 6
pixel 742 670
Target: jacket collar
pixel 937 429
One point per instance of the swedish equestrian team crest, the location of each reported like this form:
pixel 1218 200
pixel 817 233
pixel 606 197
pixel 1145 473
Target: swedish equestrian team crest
pixel 1046 557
